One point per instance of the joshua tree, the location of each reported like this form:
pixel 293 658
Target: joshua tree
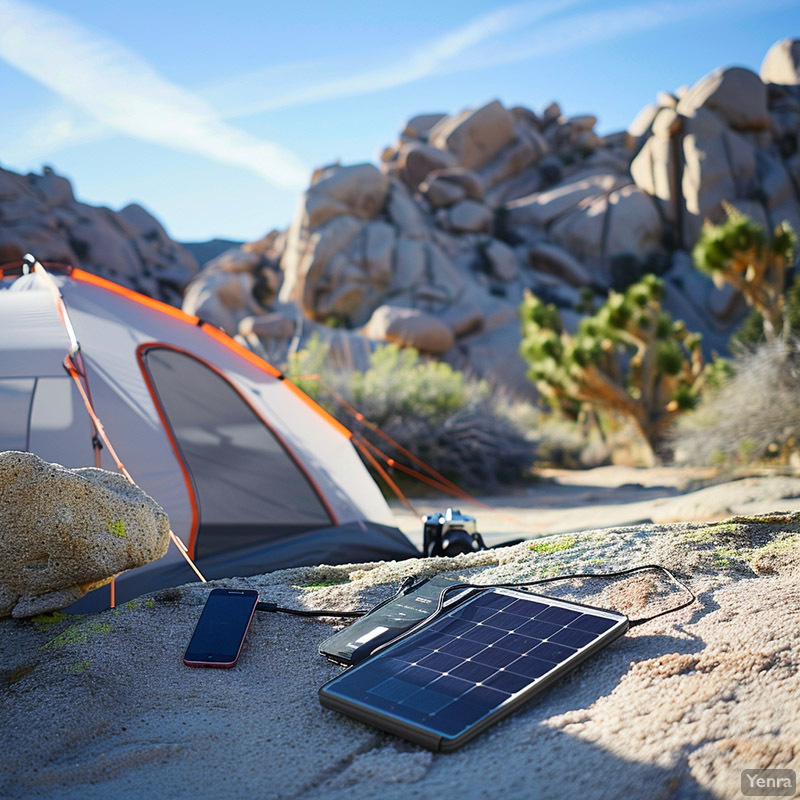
pixel 739 252
pixel 629 357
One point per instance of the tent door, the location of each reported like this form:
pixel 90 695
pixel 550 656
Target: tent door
pixel 249 489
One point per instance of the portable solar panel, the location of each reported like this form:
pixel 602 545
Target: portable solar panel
pixel 471 666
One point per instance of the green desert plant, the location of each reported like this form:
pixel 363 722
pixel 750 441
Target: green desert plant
pixel 739 252
pixel 450 421
pixel 629 358
pixel 754 415
pixel 751 331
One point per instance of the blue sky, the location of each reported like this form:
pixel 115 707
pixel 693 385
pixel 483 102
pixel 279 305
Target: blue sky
pixel 213 115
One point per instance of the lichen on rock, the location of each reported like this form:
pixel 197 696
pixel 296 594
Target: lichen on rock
pixel 64 532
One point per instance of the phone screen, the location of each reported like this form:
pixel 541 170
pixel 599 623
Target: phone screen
pixel 221 629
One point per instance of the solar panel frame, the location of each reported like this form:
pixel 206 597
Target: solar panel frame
pixel 405 725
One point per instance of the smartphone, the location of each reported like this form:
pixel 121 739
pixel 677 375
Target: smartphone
pixel 218 638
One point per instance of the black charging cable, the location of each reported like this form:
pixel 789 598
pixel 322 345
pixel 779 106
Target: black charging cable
pixel 576 575
pixel 409 583
pixel 405 587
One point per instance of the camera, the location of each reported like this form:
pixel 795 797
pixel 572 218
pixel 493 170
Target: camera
pixel 450 533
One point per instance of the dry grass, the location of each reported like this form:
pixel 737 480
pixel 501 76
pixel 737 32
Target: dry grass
pixel 754 415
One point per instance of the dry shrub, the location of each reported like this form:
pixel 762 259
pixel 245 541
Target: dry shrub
pixel 754 415
pixel 452 422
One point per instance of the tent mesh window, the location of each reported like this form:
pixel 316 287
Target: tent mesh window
pixel 248 488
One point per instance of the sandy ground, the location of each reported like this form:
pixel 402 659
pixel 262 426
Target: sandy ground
pixel 578 500
pixel 102 707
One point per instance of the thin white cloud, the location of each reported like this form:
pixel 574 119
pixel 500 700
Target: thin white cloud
pixel 125 94
pixel 569 33
pixel 426 60
pixel 37 133
pixel 511 34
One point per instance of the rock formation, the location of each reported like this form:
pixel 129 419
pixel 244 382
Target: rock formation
pixel 467 210
pixel 65 532
pixel 40 215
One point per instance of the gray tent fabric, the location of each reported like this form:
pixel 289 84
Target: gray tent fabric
pixel 340 544
pixel 246 483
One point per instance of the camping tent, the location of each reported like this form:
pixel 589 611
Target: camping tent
pixel 254 475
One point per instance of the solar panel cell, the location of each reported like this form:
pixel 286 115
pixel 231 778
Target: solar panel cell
pixel 592 624
pixel 558 616
pixel 516 643
pixel 486 697
pixel 394 689
pixel 418 676
pixel 572 637
pixel 464 648
pixel 554 653
pixel 454 627
pixel 495 657
pixel 473 671
pixel 530 667
pixel 507 681
pixel 428 700
pixel 473 613
pixel 538 629
pixel 527 608
pixel 495 600
pixel 484 633
pixel 452 686
pixel 505 621
pixel 441 662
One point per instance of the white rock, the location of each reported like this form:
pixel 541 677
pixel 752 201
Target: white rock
pixel 666 100
pixel 409 266
pixel 405 213
pixel 737 94
pixel 442 271
pixel 466 179
pixel 469 216
pixel 518 155
pixel 583 122
pixel 463 318
pixel 718 164
pixel 64 532
pixel 475 137
pixel 55 189
pixel 221 298
pixel 234 260
pixel 550 258
pixel 552 112
pixel 378 249
pixel 643 121
pixel 543 208
pixel 654 169
pixel 267 326
pixel 421 124
pixel 635 226
pixel 360 190
pixel 307 253
pixel 442 193
pixel 782 63
pixel 417 160
pixel 409 327
pixel 502 259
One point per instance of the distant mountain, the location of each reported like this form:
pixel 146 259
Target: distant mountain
pixel 205 251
